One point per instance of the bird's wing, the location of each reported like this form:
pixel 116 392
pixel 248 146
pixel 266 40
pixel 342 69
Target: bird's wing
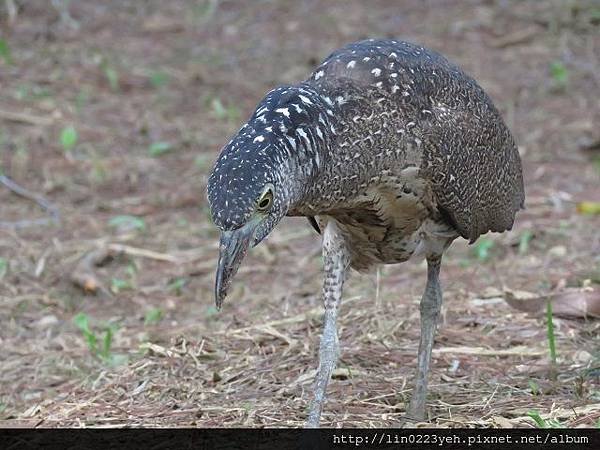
pixel 475 174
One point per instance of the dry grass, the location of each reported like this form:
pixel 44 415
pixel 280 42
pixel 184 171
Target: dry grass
pixel 188 73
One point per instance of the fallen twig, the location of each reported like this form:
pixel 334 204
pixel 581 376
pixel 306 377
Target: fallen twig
pixel 42 202
pixel 28 119
pixel 480 351
pixel 84 277
pixel 315 312
pixel 150 254
pixel 516 38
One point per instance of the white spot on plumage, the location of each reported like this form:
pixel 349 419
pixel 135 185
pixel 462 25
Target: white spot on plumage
pixel 284 111
pixel 376 71
pixel 319 74
pixel 305 99
pixel 259 138
pixel 351 64
pixel 301 133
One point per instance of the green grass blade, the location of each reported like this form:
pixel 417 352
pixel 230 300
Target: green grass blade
pixel 551 337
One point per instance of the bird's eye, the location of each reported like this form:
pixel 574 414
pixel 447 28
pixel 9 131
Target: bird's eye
pixel 265 200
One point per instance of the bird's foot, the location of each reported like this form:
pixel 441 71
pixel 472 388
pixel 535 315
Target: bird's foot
pixel 314 416
pixel 416 412
pixel 416 409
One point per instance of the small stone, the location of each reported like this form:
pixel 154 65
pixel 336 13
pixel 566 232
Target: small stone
pixel 583 356
pixel 559 251
pixel 47 321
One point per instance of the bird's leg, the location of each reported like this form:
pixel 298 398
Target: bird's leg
pixel 431 304
pixel 336 260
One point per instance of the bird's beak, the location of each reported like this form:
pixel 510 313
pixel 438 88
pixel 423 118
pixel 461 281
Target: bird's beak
pixel 232 249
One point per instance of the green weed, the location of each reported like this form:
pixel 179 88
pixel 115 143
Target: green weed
pixel 68 138
pixel 111 74
pixel 177 285
pixel 31 92
pixel 228 113
pixel 119 285
pixel 158 79
pixel 544 423
pixel 560 74
pixel 153 316
pixel 5 52
pixel 3 267
pixel 482 248
pixel 551 338
pixel 596 163
pixel 159 148
pixel 524 241
pixel 126 222
pixel 534 387
pixel 99 345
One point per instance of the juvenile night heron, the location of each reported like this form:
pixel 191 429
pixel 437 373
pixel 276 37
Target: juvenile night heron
pixel 391 151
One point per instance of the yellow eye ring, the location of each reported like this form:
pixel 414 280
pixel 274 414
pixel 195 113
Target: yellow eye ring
pixel 265 200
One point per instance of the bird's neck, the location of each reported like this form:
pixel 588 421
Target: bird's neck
pixel 300 123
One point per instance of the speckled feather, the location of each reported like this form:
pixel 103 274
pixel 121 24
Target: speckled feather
pixel 388 138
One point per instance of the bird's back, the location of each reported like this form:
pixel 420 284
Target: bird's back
pixel 408 118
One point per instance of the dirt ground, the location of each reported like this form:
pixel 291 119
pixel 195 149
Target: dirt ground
pixel 114 111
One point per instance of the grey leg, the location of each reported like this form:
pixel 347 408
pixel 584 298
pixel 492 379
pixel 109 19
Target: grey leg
pixel 336 260
pixel 431 304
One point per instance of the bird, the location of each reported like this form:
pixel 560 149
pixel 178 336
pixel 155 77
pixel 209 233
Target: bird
pixel 392 152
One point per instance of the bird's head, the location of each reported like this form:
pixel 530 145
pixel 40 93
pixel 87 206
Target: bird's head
pixel 261 173
pixel 247 201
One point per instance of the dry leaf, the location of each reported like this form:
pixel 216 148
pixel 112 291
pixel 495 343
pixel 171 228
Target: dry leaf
pixel 83 274
pixel 161 24
pixel 588 207
pixel 578 303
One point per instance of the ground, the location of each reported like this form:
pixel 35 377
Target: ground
pixel 115 111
